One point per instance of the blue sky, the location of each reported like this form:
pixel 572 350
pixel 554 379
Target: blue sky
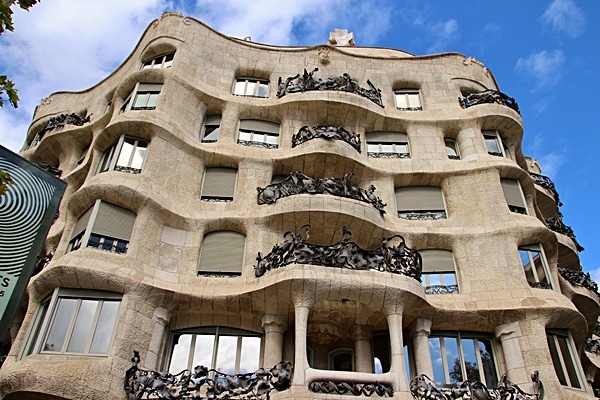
pixel 542 53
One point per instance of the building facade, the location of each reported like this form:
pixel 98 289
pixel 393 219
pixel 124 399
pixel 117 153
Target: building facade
pixel 343 220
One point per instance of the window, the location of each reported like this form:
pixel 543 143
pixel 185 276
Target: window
pixel 514 196
pixel 83 154
pixel 420 203
pixel 387 145
pixel 457 357
pixel 162 61
pixel 222 253
pixel 145 97
pixel 439 276
pixel 451 149
pixel 259 133
pixel 219 184
pixel 382 357
pixel 495 145
pixel 212 126
pixel 564 357
pixel 227 350
pixel 535 266
pixel 104 227
pixel 341 360
pixel 251 87
pixel 75 322
pixel 127 154
pixel 408 100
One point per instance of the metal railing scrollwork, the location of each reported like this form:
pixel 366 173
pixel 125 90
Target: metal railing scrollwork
pixel 488 96
pixel 356 389
pixel 579 278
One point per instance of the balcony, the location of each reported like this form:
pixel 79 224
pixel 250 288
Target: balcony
pixel 579 278
pixel 558 226
pixel 547 184
pixel 488 97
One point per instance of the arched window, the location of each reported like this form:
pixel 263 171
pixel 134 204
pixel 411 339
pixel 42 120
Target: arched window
pixel 219 184
pixel 222 253
pixel 420 203
pixel 439 273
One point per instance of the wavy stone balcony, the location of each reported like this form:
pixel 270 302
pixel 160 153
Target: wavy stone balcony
pixel 558 226
pixel 488 97
pixel 547 184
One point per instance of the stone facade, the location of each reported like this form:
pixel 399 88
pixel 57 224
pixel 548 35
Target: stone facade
pixel 191 106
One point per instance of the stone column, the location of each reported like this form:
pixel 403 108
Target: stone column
pixel 509 335
pixel 421 329
pixel 397 347
pixel 274 327
pixel 300 362
pixel 160 318
pixel 363 351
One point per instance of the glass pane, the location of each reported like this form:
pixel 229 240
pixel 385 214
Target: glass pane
pixel 434 279
pixel 526 262
pixel 406 364
pixel 180 353
pixel 492 145
pixel 226 353
pixel 489 369
pixel 568 359
pixel 105 327
pixel 470 359
pixel 401 100
pixel 168 60
pixel 250 88
pixel 272 139
pixel 449 279
pixel 152 100
pixel 203 351
pixel 249 359
pixel 453 359
pixel 436 359
pixel 140 100
pixel 138 156
pixel 539 267
pixel 263 90
pixel 107 158
pixel 211 132
pixel 401 148
pixel 60 325
pixel 414 100
pixel 239 88
pixel 40 321
pixel 387 148
pixel 83 326
pixel 245 135
pixel 451 148
pixel 147 65
pixel 125 155
pixel 372 148
pixel 258 137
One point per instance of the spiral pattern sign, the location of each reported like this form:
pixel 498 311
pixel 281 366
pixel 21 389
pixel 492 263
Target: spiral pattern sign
pixel 27 209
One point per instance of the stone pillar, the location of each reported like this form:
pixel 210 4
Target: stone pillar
pixel 508 335
pixel 363 350
pixel 274 327
pixel 300 362
pixel 421 329
pixel 160 318
pixel 397 366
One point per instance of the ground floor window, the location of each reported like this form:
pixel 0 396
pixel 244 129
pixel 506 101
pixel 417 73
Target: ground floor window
pixel 564 358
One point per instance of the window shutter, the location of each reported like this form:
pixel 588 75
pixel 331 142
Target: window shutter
pixel 149 87
pixel 82 222
pixel 419 198
pixel 213 120
pixel 114 221
pixel 387 137
pixel 256 125
pixel 512 192
pixel 222 252
pixel 437 261
pixel 219 182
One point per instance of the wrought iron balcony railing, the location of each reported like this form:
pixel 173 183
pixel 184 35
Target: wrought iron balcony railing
pixel 441 289
pixel 546 183
pixel 353 388
pixel 558 226
pixel 205 384
pixel 486 97
pixel 579 278
pixel 592 346
pixel 307 133
pixel 423 388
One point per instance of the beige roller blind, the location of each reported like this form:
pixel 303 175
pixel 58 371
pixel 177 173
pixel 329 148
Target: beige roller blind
pixel 437 261
pixel 222 252
pixel 512 192
pixel 114 221
pixel 149 87
pixel 419 198
pixel 387 137
pixel 213 120
pixel 256 125
pixel 82 222
pixel 219 182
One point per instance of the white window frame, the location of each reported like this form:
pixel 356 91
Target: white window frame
pixel 516 208
pixel 500 144
pixel 250 87
pixel 552 338
pixel 43 322
pixel 209 123
pixel 408 100
pixel 451 145
pixel 162 61
pixel 266 138
pixel 396 148
pixel 534 273
pixel 153 91
pixel 218 332
pixel 110 157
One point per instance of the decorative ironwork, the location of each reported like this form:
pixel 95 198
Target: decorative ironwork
pixel 419 108
pixel 298 183
pixel 423 388
pixel 204 384
pixel 597 329
pixel 546 183
pixel 129 170
pixel 422 215
pixel 42 263
pixel 374 154
pixel 579 278
pixel 398 259
pixel 211 199
pixel 57 122
pixel 441 289
pixel 592 346
pixel 539 285
pixel 261 145
pixel 306 81
pixel 488 96
pixel 50 169
pixel 356 389
pixel 558 226
pixel 307 133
